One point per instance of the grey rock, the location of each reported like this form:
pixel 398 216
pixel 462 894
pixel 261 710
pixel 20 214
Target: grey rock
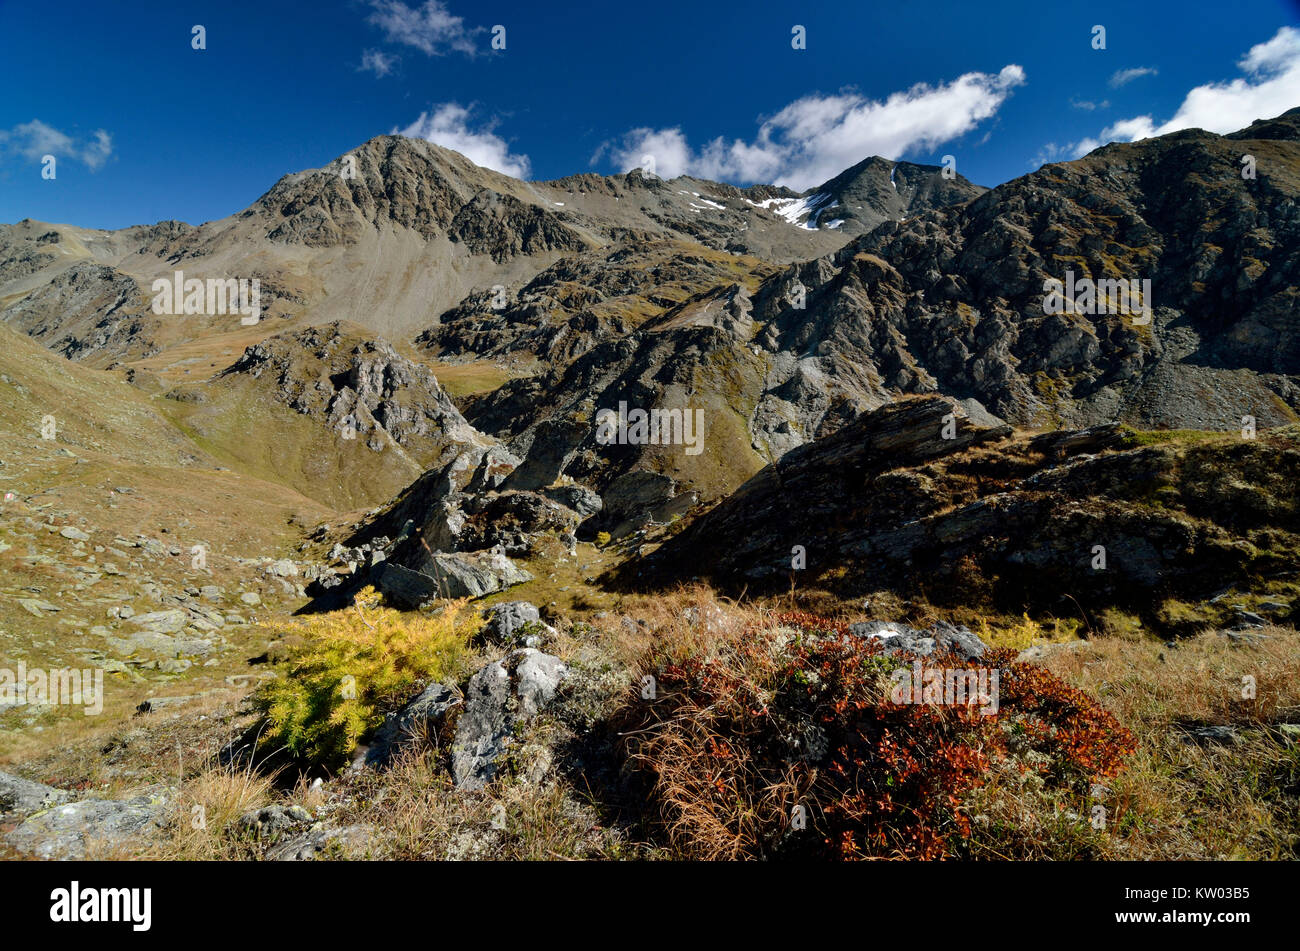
pixel 500 697
pixel 898 638
pixel 421 717
pixel 73 830
pixel 18 795
pixel 321 843
pixel 582 500
pixel 463 575
pixel 162 622
pixel 274 820
pixel 507 617
pixel 1212 735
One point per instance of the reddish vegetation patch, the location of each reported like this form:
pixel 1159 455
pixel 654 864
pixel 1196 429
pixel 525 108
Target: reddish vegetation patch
pixel 748 744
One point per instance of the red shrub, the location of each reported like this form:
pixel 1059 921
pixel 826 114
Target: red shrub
pixel 735 742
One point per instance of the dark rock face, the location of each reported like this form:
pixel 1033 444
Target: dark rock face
pixel 1222 255
pixel 988 518
pixel 87 310
pixel 878 190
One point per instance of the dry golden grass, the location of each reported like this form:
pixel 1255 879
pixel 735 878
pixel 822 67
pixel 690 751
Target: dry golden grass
pixel 418 815
pixel 209 808
pixel 1180 799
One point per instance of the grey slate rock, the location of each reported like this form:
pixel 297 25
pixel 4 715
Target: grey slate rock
pixel 422 715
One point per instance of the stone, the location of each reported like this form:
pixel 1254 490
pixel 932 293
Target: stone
pixel 899 638
pixel 91 827
pixel 504 619
pixel 172 621
pixel 500 697
pixel 421 717
pixel 582 500
pixel 274 820
pixel 18 795
pixel 321 843
pixel 463 575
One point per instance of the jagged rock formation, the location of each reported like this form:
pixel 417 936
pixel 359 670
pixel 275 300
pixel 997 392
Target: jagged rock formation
pixel 987 517
pixel 362 389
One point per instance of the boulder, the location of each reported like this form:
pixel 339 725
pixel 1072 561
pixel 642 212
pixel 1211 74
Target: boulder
pixel 94 826
pixel 507 618
pixel 275 820
pixel 22 796
pixel 423 716
pixel 499 698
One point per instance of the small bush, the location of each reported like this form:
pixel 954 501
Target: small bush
pixel 354 664
pixel 602 539
pixel 734 739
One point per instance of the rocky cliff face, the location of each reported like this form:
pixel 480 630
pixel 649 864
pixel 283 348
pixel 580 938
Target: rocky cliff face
pixel 949 301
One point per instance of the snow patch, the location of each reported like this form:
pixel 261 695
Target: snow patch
pixel 800 212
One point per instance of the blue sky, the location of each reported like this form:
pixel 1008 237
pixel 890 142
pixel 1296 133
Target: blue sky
pixel 145 128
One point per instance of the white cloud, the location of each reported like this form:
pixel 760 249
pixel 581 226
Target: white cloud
pixel 432 28
pixel 1122 76
pixel 35 139
pixel 377 62
pixel 817 137
pixel 1269 86
pixel 448 125
pixel 1051 152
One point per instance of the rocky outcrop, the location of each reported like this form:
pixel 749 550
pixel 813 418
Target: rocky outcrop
pixel 22 796
pixel 476 731
pixel 359 388
pixel 1061 523
pixel 90 828
pixel 500 698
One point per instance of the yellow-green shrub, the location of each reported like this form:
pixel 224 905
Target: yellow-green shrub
pixel 352 665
